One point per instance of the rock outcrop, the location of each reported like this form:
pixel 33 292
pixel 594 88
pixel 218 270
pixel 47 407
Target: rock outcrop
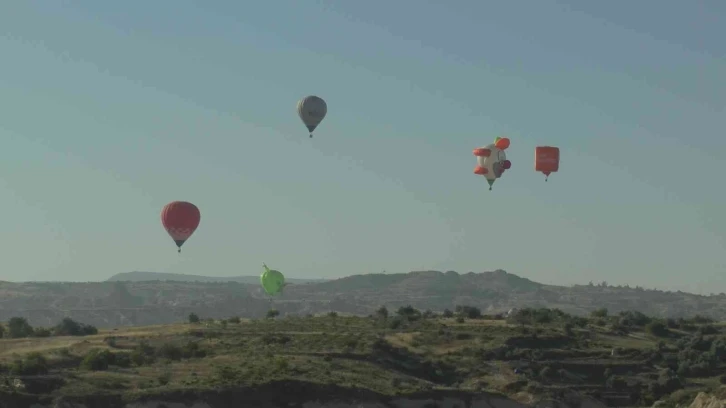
pixel 704 400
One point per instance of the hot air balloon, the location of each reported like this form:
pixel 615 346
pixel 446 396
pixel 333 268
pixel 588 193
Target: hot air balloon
pixel 312 111
pixel 546 160
pixel 492 161
pixel 272 281
pixel 180 219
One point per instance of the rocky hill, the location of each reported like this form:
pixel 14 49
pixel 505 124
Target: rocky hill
pixel 161 301
pixel 138 276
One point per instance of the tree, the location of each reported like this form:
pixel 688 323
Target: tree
pixel 18 327
pixel 469 312
pixel 408 312
pixel 193 318
pixel 69 327
pixel 657 329
pixel 272 313
pixel 382 313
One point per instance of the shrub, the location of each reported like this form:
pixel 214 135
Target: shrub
pixel 164 378
pixel 408 313
pixel 192 350
pixel 41 332
pixel 169 351
pixel 469 312
pixel 122 359
pixel 634 318
pixel 33 364
pixel 69 327
pixel 657 329
pixel 708 329
pixel 142 354
pixel 616 382
pixel 97 360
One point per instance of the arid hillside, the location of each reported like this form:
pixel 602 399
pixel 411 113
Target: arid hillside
pixel 404 358
pixel 126 303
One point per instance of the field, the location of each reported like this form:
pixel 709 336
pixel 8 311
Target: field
pixel 623 360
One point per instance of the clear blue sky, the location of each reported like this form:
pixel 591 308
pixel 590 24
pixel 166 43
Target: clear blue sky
pixel 109 110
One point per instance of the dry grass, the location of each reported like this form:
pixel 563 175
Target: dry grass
pixel 401 339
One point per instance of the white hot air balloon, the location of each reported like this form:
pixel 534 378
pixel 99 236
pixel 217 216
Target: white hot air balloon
pixel 492 161
pixel 312 110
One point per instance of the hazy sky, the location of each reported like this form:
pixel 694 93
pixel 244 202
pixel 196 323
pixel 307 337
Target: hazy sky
pixel 109 110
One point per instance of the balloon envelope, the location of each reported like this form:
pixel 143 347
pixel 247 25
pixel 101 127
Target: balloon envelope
pixel 180 219
pixel 546 159
pixel 272 281
pixel 502 143
pixel 312 110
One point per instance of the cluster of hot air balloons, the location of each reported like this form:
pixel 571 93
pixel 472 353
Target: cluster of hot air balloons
pixel 181 218
pixel 492 161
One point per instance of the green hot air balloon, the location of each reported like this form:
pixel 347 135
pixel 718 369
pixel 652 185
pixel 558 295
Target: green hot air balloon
pixel 272 281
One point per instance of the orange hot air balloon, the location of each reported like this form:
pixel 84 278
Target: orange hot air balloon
pixel 546 160
pixel 180 219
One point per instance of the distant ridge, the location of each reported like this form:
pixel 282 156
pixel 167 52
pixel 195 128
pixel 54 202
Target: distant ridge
pixel 137 276
pixel 145 298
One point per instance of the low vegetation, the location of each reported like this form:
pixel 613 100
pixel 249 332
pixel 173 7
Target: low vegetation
pixel 626 359
pixel 18 328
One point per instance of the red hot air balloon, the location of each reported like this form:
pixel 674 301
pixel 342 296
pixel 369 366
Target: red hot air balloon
pixel 180 219
pixel 546 160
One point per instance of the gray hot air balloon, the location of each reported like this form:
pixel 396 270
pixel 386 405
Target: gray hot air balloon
pixel 312 110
